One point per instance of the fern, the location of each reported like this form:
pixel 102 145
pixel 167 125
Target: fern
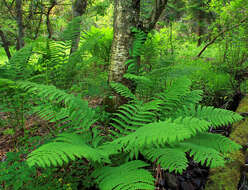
pixel 130 117
pixel 218 117
pixel 173 97
pixel 60 116
pixel 136 78
pixel 124 177
pixel 165 129
pixel 123 90
pixel 135 51
pixel 80 115
pixel 64 148
pixel 171 158
pixel 18 67
pixel 160 133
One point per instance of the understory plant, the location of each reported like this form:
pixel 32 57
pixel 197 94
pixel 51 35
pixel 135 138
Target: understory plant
pixel 166 129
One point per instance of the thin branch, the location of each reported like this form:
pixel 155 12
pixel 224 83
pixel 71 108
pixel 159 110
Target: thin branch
pixel 9 9
pixel 220 34
pixel 38 27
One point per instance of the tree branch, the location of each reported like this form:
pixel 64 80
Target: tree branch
pixel 9 8
pixel 5 44
pixel 157 11
pixel 221 33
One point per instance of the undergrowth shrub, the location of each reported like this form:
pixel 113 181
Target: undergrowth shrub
pixel 15 174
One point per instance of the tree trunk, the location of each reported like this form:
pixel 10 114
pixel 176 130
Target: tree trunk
pixel 126 16
pixel 20 41
pixel 78 9
pixel 38 27
pixel 48 22
pixel 5 44
pixel 200 32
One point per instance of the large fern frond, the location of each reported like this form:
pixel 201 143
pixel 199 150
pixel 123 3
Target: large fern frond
pixel 173 97
pixel 218 142
pixel 123 90
pixel 130 117
pixel 18 66
pixel 129 176
pixel 49 113
pixel 162 133
pixel 79 113
pixel 216 116
pixel 169 158
pixel 209 149
pixel 65 147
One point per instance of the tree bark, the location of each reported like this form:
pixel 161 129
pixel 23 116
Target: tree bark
pixel 5 44
pixel 48 22
pixel 20 41
pixel 126 16
pixel 78 9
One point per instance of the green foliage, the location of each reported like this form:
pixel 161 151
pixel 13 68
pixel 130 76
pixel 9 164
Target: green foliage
pixel 122 90
pixel 132 116
pixel 172 158
pixel 126 176
pixel 165 128
pixel 64 148
pixel 17 174
pixel 162 122
pixel 77 111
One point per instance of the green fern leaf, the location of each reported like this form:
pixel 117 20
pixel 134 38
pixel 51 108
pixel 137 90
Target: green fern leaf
pixel 216 116
pixel 161 133
pixel 209 149
pixel 172 159
pixel 127 176
pixel 123 90
pixel 64 148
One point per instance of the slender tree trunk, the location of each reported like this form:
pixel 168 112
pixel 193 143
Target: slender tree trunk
pixel 48 22
pixel 5 44
pixel 38 27
pixel 200 32
pixel 20 41
pixel 78 9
